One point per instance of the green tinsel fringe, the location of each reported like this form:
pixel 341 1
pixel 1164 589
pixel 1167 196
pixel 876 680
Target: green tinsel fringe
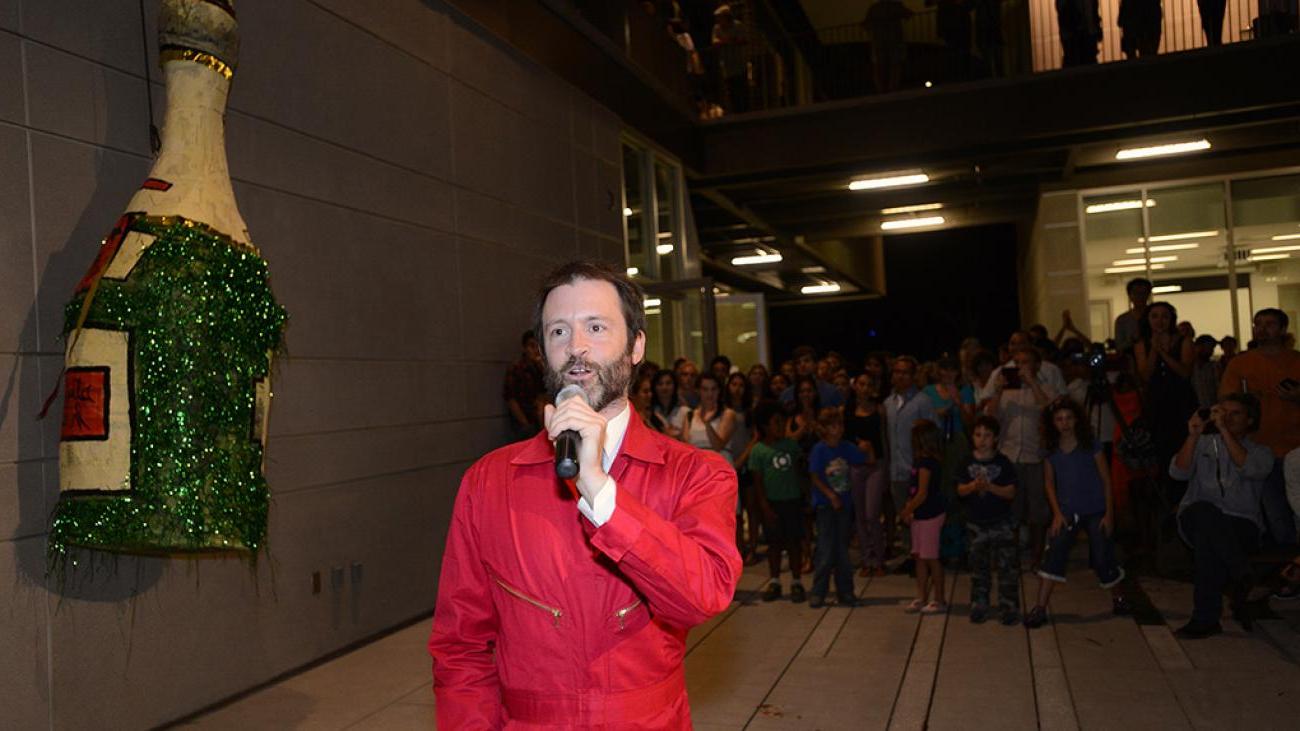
pixel 203 320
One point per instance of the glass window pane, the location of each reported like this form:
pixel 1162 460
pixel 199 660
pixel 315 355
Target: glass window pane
pixel 667 238
pixel 739 325
pixel 1112 226
pixel 634 210
pixel 1266 220
pixel 1188 254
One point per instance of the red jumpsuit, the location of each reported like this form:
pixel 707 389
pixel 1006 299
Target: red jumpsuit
pixel 544 620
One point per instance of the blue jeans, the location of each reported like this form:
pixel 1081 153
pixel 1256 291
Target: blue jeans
pixel 833 527
pixel 1101 551
pixel 1278 517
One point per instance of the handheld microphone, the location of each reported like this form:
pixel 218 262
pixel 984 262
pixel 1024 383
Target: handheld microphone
pixel 567 443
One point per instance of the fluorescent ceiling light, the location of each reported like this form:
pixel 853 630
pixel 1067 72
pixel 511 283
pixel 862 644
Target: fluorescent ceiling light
pixel 822 270
pixel 1179 237
pixel 911 209
pixel 1167 288
pixel 633 271
pixel 1163 247
pixel 764 258
pixel 912 223
pixel 1269 257
pixel 1152 260
pixel 652 302
pixel 1286 237
pixel 1117 206
pixel 890 180
pixel 820 288
pixel 662 249
pixel 652 311
pixel 1173 148
pixel 627 211
pixel 1274 249
pixel 1122 270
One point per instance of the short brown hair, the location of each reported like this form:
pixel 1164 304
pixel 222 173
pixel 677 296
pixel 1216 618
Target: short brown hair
pixel 829 416
pixel 630 295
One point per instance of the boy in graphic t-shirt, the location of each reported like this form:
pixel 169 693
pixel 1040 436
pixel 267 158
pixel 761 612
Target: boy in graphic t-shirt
pixel 829 463
pixel 986 484
pixel 774 463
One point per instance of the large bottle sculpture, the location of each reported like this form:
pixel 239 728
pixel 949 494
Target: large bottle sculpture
pixel 169 337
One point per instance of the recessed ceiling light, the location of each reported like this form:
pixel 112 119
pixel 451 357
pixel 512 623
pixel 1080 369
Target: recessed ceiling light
pixel 1167 288
pixel 1117 206
pixel 820 288
pixel 1274 249
pixel 911 209
pixel 1122 270
pixel 663 249
pixel 627 211
pixel 652 302
pixel 1172 148
pixel 920 222
pixel 633 271
pixel 771 258
pixel 1152 260
pixel 1180 237
pixel 890 180
pixel 1164 247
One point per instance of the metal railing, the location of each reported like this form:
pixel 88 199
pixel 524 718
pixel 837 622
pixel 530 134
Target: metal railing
pixel 914 44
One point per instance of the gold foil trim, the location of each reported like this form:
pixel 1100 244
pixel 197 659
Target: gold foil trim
pixel 199 57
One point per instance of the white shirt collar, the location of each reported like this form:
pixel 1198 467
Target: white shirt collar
pixel 615 430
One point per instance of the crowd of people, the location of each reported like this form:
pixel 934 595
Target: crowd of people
pixel 997 457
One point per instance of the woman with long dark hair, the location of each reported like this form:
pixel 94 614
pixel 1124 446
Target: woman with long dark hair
pixel 863 427
pixel 667 407
pixel 1164 366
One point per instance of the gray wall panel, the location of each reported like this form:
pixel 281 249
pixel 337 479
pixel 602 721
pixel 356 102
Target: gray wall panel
pixel 111 106
pixel 105 31
pixel 17 293
pixel 24 685
pixel 11 76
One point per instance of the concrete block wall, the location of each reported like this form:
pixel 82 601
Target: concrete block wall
pixel 408 177
pixel 1051 267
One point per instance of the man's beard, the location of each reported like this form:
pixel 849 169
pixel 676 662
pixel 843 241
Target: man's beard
pixel 611 381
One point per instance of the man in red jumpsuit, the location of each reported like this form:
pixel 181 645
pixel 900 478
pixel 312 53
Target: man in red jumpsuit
pixel 561 613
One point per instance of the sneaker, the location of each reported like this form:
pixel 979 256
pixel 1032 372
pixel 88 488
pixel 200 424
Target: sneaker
pixel 773 591
pixel 1194 630
pixel 979 614
pixel 846 600
pixel 814 601
pixel 1120 607
pixel 1036 618
pixel 934 608
pixel 1010 617
pixel 797 594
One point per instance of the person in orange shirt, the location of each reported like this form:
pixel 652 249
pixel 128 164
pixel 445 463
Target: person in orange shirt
pixel 1271 371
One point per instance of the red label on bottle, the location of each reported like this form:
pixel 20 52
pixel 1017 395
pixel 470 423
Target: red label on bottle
pixel 156 184
pixel 107 251
pixel 85 403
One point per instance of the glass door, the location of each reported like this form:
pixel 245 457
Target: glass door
pixel 680 322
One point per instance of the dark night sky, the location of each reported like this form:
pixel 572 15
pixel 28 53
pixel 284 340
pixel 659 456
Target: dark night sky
pixel 942 286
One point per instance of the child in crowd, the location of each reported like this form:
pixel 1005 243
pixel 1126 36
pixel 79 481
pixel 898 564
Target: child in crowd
pixel 986 483
pixel 774 463
pixel 1077 484
pixel 829 465
pixel 925 510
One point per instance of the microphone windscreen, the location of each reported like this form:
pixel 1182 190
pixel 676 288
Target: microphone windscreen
pixel 570 391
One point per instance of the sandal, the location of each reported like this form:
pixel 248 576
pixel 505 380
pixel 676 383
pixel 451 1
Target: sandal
pixel 913 606
pixel 935 608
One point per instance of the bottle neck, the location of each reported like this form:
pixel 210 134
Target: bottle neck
pixel 193 154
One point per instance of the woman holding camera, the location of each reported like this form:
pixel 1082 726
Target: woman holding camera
pixel 1219 516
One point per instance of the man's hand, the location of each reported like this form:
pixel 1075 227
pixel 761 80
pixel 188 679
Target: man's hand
pixel 1195 425
pixel 1108 524
pixel 905 515
pixel 577 415
pixel 836 503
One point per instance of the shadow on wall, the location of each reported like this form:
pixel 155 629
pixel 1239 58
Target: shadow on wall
pixel 97 577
